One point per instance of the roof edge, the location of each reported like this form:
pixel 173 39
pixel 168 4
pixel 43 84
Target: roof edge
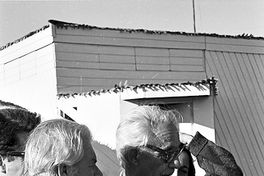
pixel 24 37
pixel 210 83
pixel 63 24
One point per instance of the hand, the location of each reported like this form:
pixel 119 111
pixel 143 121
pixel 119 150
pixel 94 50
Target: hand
pixel 185 138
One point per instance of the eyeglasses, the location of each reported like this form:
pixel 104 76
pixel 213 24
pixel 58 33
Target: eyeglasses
pixel 10 155
pixel 166 155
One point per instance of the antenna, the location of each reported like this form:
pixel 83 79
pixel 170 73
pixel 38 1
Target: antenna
pixel 194 26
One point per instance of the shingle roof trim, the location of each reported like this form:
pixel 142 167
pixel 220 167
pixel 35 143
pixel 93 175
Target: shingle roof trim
pixel 209 83
pixel 24 37
pixel 62 24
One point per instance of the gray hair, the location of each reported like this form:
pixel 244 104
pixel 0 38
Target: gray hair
pixel 52 143
pixel 139 127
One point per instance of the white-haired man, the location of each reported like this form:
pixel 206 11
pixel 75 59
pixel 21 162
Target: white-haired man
pixel 60 147
pixel 149 144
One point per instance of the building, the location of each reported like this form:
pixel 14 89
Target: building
pixel 79 60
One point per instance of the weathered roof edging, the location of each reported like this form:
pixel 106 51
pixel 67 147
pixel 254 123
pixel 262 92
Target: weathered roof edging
pixel 210 83
pixel 62 24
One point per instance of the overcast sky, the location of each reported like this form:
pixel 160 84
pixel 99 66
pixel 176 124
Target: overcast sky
pixel 228 17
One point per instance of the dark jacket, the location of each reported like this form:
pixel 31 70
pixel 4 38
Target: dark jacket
pixel 213 159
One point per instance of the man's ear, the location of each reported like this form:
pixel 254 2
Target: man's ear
pixel 133 156
pixel 64 170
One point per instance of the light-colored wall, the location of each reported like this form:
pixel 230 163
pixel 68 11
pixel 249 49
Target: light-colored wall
pixel 101 113
pixel 239 122
pixel 98 59
pixel 28 75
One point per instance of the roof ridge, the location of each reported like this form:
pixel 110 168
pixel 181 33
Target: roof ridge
pixel 63 24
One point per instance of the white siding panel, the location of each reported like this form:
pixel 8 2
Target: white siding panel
pixel 130 74
pixel 117 59
pixel 186 53
pixel 153 60
pixel 12 68
pixel 116 50
pixel 77 64
pixel 83 57
pixel 186 61
pixel 28 73
pixel 27 58
pixel 36 93
pixel 190 68
pixel 152 52
pixel 76 48
pixel 153 67
pixel 28 66
pixel 45 59
pixel 45 67
pixel 11 79
pixel 234 45
pixel 44 51
pixel 11 64
pixel 26 46
pixel 116 66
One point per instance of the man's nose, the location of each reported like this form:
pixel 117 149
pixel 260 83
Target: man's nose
pixel 175 164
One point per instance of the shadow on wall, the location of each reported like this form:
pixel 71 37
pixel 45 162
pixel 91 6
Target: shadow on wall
pixel 106 159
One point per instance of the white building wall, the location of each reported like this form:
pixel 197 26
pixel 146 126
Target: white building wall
pixel 29 80
pixel 101 113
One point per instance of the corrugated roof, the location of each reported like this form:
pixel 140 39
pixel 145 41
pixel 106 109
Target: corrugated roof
pixel 62 24
pixel 199 85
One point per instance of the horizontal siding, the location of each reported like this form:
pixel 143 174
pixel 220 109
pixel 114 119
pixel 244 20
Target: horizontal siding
pixel 239 110
pixel 157 60
pixel 235 45
pixel 37 93
pixel 128 74
pixel 190 68
pixel 77 65
pixel 118 38
pixel 76 57
pixel 127 59
pixel 116 66
pixel 187 61
pixel 28 65
pixel 104 66
pixel 35 42
pixel 97 80
pixel 186 53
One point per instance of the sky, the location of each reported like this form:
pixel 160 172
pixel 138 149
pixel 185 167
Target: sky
pixel 224 17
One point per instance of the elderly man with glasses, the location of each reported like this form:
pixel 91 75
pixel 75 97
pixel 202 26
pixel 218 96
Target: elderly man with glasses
pixel 148 143
pixel 15 125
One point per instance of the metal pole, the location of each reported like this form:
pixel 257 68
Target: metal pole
pixel 194 26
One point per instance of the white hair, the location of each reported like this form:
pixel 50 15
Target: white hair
pixel 139 127
pixel 52 143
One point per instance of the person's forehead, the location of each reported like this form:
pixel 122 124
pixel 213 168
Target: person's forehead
pixel 168 135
